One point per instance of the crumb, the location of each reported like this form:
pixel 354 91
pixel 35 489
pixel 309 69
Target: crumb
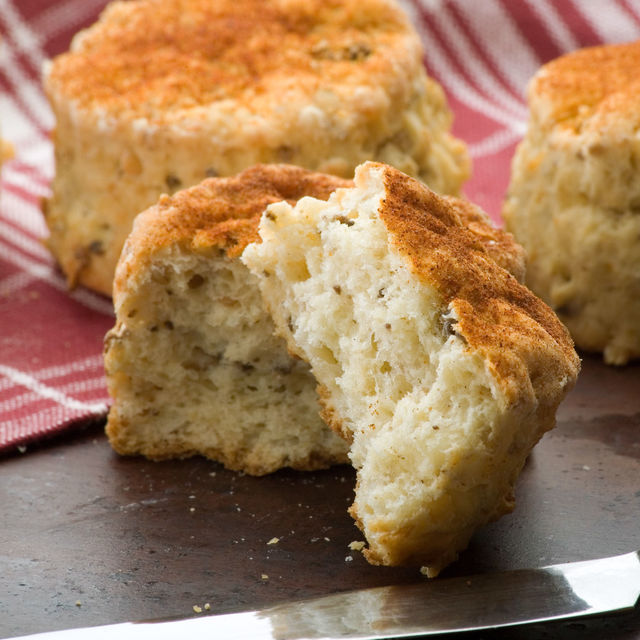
pixel 192 497
pixel 348 559
pixel 197 609
pixel 22 448
pixel 264 576
pixel 327 539
pixel 274 541
pixel 78 603
pixel 192 509
pixel 356 545
pixel 424 571
pixel 207 606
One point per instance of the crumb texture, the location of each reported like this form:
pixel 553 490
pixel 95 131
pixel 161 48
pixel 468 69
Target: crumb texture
pixel 439 367
pixel 192 363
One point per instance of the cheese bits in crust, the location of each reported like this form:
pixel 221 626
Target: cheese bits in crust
pixel 160 94
pixel 192 363
pixel 440 368
pixel 574 197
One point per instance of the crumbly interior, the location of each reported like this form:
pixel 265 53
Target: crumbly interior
pixel 194 367
pixel 573 203
pixel 433 439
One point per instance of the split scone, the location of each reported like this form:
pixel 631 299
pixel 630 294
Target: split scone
pixel 574 197
pixel 159 94
pixel 433 360
pixel 192 363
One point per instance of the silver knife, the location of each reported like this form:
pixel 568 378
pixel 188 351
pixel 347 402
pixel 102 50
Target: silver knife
pixel 446 605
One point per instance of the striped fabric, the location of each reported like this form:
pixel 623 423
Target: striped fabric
pixel 51 375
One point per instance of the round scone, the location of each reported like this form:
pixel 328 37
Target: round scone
pixel 192 363
pixel 433 360
pixel 574 197
pixel 160 94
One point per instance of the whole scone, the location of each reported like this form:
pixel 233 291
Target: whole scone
pixel 160 94
pixel 574 196
pixel 434 361
pixel 192 363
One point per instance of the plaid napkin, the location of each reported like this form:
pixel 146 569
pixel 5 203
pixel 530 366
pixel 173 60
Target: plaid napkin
pixel 51 375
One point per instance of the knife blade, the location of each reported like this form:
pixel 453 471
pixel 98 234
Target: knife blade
pixel 446 605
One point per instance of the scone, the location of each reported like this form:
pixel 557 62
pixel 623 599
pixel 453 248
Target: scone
pixel 160 94
pixel 433 360
pixel 574 196
pixel 192 364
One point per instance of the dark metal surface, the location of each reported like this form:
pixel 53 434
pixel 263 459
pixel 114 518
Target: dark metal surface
pixel 88 537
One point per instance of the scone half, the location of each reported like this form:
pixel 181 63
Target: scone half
pixel 192 363
pixel 434 361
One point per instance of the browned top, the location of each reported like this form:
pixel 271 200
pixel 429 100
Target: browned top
pixel 500 245
pixel 150 56
pixel 590 87
pixel 219 212
pixel 521 338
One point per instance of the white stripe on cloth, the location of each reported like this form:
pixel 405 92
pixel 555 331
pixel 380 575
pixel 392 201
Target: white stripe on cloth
pixel 554 24
pixel 25 38
pixel 44 391
pixel 16 282
pixel 28 93
pixel 610 20
pixel 23 214
pixel 74 388
pixel 52 277
pixel 482 75
pixel 88 364
pixel 634 5
pixel 23 242
pixel 438 62
pixel 30 145
pixel 494 143
pixel 497 33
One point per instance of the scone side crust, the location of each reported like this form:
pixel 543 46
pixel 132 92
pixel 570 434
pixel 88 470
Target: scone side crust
pixel 589 87
pixel 259 49
pixel 219 212
pixel 492 308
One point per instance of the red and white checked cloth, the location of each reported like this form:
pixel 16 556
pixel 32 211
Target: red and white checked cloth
pixel 51 375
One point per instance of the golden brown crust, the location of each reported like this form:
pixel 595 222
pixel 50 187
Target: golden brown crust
pixel 499 244
pixel 520 337
pixel 590 88
pixel 219 212
pixel 153 57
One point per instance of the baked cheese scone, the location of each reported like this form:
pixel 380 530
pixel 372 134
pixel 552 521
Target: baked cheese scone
pixel 574 196
pixel 192 363
pixel 438 365
pixel 160 94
